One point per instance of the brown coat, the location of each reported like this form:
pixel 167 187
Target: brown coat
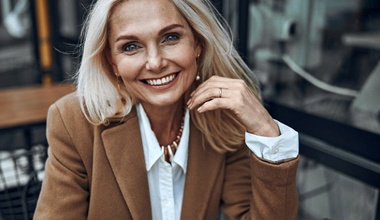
pixel 98 172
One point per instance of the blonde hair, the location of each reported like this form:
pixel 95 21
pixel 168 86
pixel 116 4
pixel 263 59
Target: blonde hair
pixel 97 85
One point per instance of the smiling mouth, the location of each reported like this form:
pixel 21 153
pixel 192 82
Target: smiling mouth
pixel 163 81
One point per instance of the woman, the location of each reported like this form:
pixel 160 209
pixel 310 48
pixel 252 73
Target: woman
pixel 160 124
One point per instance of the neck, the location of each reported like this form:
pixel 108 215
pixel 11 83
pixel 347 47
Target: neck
pixel 165 121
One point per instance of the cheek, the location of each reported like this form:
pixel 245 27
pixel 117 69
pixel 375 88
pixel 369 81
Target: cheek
pixel 127 69
pixel 191 70
pixel 192 67
pixel 187 60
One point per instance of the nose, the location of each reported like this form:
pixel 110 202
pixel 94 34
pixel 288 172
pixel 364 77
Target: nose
pixel 155 61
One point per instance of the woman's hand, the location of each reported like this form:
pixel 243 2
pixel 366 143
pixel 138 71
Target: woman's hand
pixel 234 95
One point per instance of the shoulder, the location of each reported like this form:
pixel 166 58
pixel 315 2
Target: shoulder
pixel 66 114
pixel 67 111
pixel 68 105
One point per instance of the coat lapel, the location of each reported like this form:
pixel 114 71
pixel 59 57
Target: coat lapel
pixel 124 150
pixel 202 171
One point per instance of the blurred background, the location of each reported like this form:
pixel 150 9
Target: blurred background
pixel 318 63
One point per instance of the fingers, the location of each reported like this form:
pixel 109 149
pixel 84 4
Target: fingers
pixel 214 104
pixel 214 82
pixel 214 89
pixel 233 95
pixel 205 95
pixel 223 93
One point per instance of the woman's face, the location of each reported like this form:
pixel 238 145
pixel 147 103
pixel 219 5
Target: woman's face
pixel 154 51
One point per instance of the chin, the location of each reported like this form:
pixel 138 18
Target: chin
pixel 167 101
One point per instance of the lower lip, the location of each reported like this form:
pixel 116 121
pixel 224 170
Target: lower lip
pixel 165 86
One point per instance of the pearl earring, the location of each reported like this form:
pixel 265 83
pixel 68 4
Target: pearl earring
pixel 197 78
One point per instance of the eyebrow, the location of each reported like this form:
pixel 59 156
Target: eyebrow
pixel 162 31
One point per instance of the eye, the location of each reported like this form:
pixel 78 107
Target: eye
pixel 171 37
pixel 130 47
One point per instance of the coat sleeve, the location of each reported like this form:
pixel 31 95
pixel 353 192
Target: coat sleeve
pixel 64 193
pixel 256 189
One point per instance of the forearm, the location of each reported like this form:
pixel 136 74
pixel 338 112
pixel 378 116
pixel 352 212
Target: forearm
pixel 256 189
pixel 274 193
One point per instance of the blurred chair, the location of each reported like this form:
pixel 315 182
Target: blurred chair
pixel 21 174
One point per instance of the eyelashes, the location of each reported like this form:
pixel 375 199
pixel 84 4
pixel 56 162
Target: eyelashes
pixel 130 47
pixel 172 37
pixel 133 47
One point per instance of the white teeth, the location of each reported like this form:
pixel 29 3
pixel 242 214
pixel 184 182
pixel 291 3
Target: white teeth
pixel 162 81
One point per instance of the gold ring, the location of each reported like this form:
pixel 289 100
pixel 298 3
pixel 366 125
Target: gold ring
pixel 220 92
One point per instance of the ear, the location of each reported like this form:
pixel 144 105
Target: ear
pixel 198 48
pixel 111 61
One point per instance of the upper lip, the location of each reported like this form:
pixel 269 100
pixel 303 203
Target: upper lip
pixel 161 80
pixel 161 77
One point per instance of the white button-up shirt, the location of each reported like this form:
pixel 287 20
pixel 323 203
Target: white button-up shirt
pixel 167 181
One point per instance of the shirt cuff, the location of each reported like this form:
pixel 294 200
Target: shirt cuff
pixel 275 149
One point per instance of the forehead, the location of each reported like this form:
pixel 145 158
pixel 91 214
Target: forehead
pixel 145 14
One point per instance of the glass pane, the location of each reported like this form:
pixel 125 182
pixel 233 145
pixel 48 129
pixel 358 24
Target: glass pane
pixel 321 57
pixel 17 59
pixel 327 194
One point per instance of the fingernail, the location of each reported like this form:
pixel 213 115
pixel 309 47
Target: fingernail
pixel 200 109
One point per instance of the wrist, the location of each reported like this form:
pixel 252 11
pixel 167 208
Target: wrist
pixel 269 129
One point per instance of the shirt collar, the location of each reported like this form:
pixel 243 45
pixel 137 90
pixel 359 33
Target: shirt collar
pixel 152 149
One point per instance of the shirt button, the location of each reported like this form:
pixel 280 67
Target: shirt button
pixel 275 150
